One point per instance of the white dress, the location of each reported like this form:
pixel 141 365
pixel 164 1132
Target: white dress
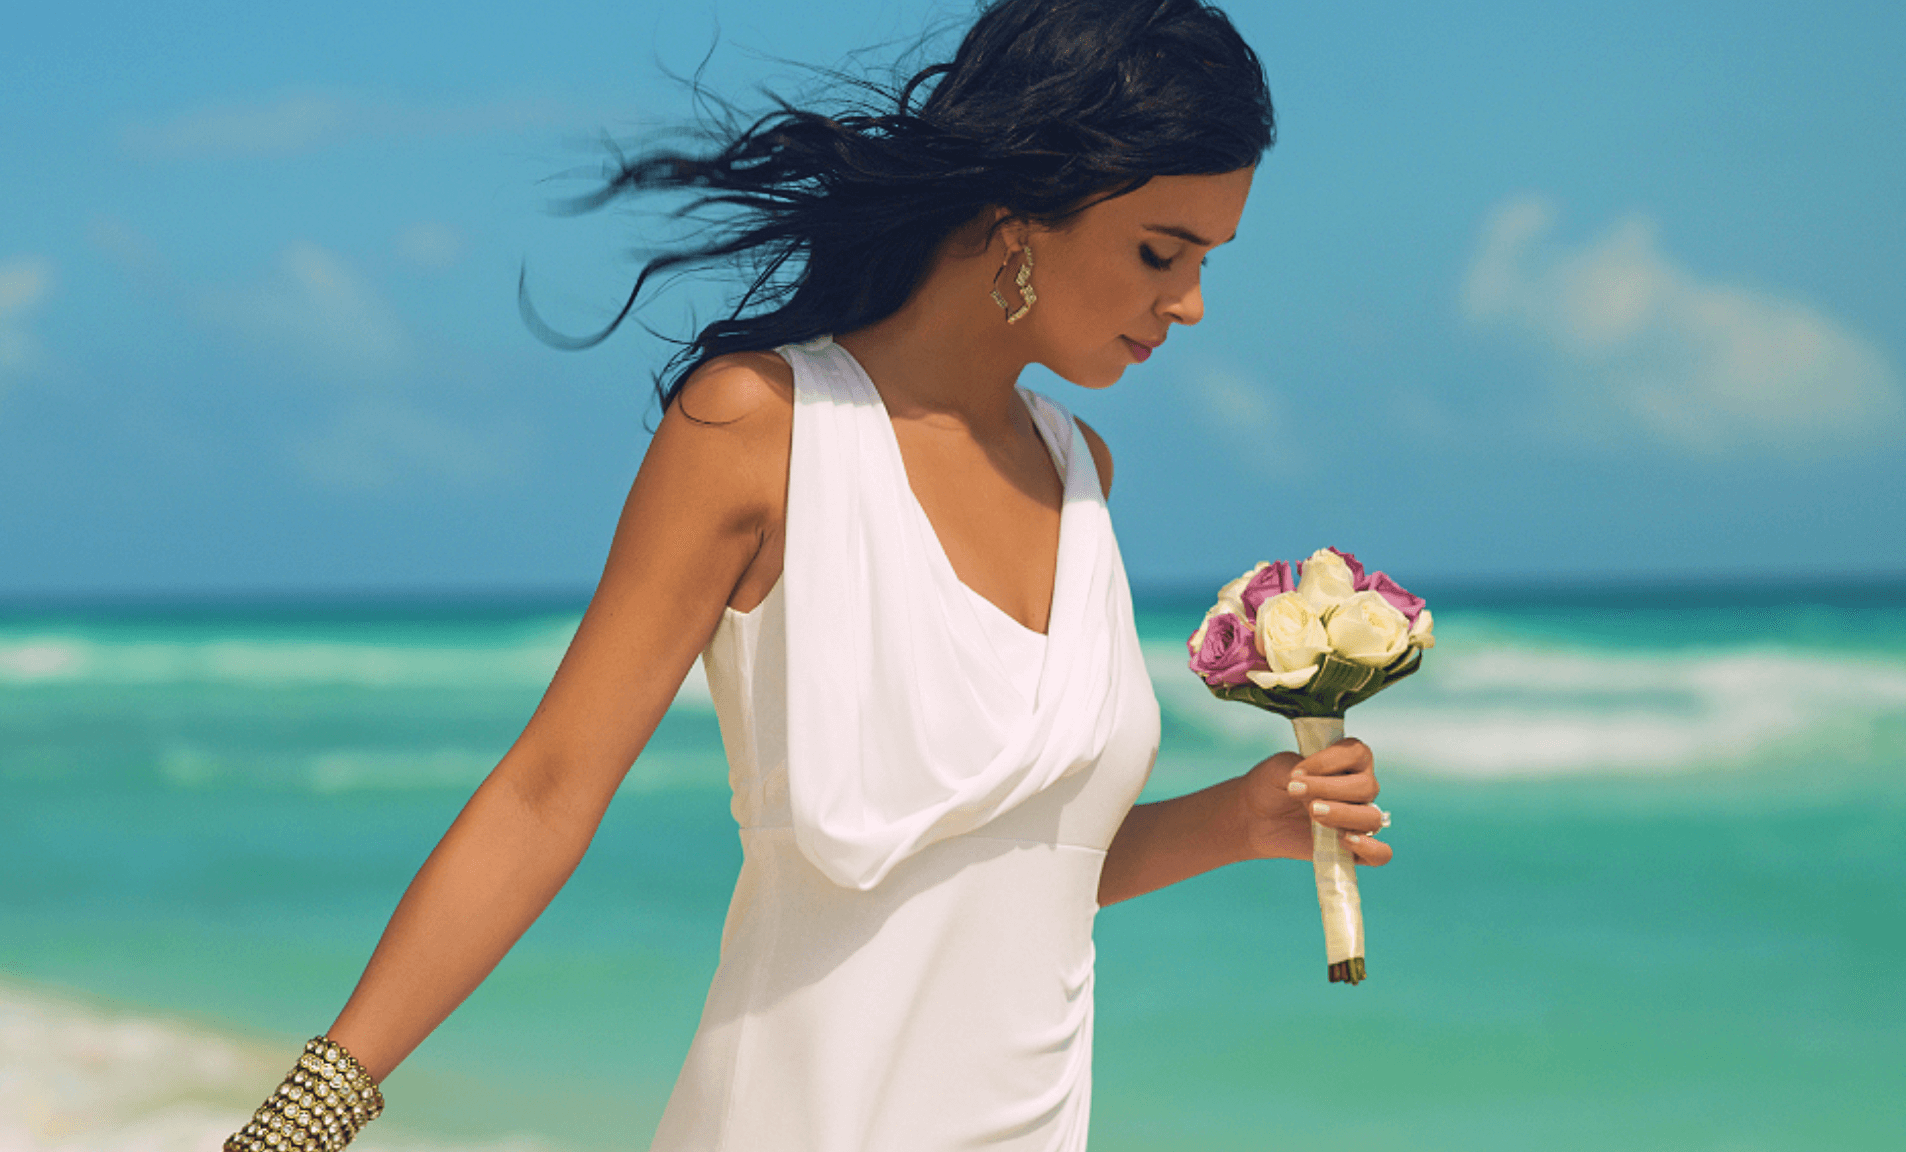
pixel 925 791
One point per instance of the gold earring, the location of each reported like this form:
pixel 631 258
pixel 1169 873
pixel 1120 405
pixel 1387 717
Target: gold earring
pixel 1021 281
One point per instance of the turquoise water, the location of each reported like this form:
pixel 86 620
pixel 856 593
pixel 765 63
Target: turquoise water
pixel 1652 861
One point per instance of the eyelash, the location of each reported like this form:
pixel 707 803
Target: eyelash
pixel 1154 260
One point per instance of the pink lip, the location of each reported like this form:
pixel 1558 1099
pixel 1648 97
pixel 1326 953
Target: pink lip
pixel 1140 352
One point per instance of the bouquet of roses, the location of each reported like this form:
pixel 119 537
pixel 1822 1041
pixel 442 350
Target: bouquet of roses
pixel 1307 643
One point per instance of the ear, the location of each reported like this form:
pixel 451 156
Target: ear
pixel 1010 232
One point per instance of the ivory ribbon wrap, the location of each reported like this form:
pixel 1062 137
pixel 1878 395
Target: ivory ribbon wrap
pixel 1335 867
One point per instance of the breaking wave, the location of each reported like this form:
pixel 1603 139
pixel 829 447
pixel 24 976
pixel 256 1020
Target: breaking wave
pixel 524 656
pixel 1509 708
pixel 80 1078
pixel 1494 700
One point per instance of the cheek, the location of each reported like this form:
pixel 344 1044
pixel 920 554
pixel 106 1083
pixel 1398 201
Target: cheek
pixel 1096 295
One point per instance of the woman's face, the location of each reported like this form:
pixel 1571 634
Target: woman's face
pixel 1113 280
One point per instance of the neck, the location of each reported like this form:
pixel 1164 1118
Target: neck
pixel 946 355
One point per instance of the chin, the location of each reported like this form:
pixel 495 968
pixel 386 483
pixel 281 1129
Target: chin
pixel 1087 374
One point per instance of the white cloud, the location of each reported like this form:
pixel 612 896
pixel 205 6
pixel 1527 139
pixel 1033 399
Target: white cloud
pixel 291 123
pixel 1702 364
pixel 131 249
pixel 324 328
pixel 316 310
pixel 379 441
pixel 431 245
pixel 1247 419
pixel 24 283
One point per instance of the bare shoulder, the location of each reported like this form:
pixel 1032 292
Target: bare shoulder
pixel 722 445
pixel 739 406
pixel 1101 455
pixel 738 388
pixel 701 526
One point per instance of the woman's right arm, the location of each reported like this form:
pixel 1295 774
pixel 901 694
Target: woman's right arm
pixel 702 524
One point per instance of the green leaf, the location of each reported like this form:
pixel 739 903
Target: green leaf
pixel 1339 683
pixel 1406 665
pixel 1336 678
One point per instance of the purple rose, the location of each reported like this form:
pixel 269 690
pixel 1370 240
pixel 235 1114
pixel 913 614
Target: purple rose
pixel 1226 651
pixel 1397 596
pixel 1271 580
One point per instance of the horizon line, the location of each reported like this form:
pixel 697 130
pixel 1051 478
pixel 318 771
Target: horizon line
pixel 1494 586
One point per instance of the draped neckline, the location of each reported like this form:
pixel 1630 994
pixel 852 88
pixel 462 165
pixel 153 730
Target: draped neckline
pixel 1061 467
pixel 906 722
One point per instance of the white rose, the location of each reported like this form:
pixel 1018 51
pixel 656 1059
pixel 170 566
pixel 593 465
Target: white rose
pixel 1290 634
pixel 1326 581
pixel 1422 634
pixel 1231 596
pixel 1367 628
pixel 1295 679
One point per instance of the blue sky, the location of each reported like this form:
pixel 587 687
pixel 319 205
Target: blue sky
pixel 1564 290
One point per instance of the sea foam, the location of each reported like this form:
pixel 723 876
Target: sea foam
pixel 1495 699
pixel 1506 708
pixel 525 657
pixel 83 1078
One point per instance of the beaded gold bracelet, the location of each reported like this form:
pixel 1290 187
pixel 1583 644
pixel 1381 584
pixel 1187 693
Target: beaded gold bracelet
pixel 325 1099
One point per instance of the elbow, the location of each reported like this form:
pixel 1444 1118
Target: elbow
pixel 554 796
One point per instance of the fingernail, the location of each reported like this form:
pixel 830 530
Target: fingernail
pixel 1298 787
pixel 1353 838
pixel 1319 808
pixel 1296 772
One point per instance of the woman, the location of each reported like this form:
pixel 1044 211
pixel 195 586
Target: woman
pixel 914 617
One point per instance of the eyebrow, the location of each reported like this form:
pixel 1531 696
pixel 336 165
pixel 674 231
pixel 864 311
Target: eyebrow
pixel 1186 234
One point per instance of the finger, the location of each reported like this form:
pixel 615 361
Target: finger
pixel 1342 758
pixel 1268 778
pixel 1360 788
pixel 1283 762
pixel 1368 849
pixel 1349 817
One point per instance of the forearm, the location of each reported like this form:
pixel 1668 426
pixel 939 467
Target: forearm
pixel 1264 814
pixel 1172 840
pixel 492 874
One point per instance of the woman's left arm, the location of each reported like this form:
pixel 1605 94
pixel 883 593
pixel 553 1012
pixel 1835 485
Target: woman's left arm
pixel 1264 813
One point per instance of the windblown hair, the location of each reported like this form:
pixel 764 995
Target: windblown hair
pixel 1048 106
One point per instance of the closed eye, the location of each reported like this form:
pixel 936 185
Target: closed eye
pixel 1162 263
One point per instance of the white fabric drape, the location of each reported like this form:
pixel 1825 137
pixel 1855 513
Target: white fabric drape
pixel 902 730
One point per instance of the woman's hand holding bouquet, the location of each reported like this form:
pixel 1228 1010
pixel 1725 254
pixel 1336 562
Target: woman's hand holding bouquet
pixel 1307 645
pixel 1280 798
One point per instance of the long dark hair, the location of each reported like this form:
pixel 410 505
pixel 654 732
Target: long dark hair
pixel 1048 106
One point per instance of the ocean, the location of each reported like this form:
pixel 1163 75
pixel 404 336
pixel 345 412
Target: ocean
pixel 1650 886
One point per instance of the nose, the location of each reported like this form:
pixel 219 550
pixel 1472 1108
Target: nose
pixel 1188 307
